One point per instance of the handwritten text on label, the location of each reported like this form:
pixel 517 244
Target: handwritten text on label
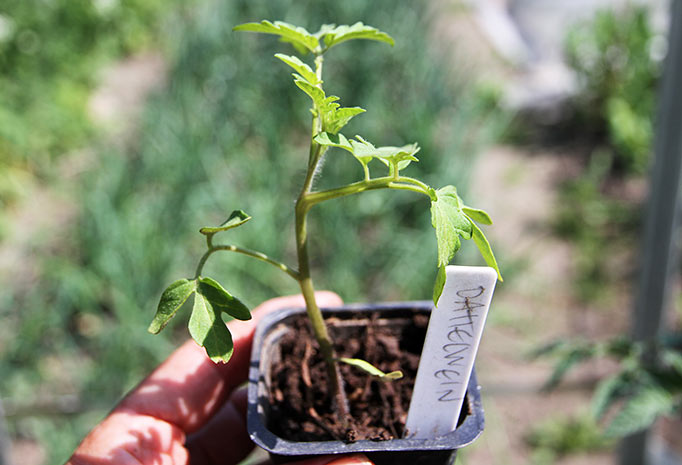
pixel 452 339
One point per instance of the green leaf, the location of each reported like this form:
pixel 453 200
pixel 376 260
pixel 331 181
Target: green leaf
pixel 620 347
pixel 362 150
pixel 223 300
pixel 673 359
pixel 209 330
pixel 475 214
pixel 326 28
pixel 236 218
pixel 336 35
pixel 171 300
pixel 333 140
pixel 365 151
pixel 567 360
pixel 400 157
pixel 640 411
pixel 300 67
pixel 548 349
pixel 607 393
pixel 450 219
pixel 371 369
pixel 450 223
pixel 295 35
pixel 335 118
pixel 485 249
pixel 315 93
pixel 439 285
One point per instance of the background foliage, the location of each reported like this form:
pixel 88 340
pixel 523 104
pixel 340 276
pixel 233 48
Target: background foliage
pixel 49 55
pixel 616 57
pixel 647 385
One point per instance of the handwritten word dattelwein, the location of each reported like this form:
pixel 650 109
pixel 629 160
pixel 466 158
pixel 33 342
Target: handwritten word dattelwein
pixel 460 339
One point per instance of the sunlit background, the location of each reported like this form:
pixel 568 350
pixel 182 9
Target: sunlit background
pixel 126 125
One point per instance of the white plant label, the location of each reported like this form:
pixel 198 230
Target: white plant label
pixel 451 343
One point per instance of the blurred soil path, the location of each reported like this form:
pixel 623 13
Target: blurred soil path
pixel 518 187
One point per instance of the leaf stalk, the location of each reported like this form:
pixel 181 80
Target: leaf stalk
pixel 386 182
pixel 251 253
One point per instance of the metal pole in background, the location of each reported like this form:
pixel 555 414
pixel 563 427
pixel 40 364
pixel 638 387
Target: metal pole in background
pixel 659 251
pixel 4 440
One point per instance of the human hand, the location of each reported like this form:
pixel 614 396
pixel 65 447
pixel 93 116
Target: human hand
pixel 189 410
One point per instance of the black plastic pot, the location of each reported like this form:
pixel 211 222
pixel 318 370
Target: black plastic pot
pixel 440 450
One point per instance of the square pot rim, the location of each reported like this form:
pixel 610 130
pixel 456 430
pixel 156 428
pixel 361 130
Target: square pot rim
pixel 466 433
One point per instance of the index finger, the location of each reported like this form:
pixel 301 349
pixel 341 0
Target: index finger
pixel 188 388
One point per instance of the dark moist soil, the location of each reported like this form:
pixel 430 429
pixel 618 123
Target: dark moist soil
pixel 299 396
